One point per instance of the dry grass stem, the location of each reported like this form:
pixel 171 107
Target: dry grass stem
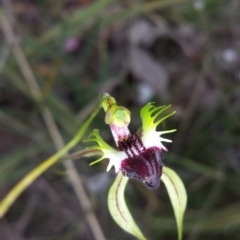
pixel 72 173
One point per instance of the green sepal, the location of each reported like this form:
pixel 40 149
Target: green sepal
pixel 177 194
pixel 118 208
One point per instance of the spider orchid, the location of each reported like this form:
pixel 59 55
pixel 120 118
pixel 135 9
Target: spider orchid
pixel 139 155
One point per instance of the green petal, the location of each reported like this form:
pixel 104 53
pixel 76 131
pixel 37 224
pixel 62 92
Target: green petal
pixel 149 113
pixel 177 194
pixel 101 144
pixel 88 152
pixel 96 161
pixel 118 208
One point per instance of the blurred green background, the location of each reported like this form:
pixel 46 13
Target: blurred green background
pixel 56 57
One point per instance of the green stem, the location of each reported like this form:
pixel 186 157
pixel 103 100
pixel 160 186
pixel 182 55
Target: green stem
pixel 15 192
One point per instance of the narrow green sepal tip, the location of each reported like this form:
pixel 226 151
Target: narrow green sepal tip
pixel 164 118
pixel 96 161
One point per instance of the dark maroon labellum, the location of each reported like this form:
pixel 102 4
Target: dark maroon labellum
pixel 145 166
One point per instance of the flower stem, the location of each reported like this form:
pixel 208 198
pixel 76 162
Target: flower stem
pixel 15 192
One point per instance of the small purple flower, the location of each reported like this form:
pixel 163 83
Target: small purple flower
pixel 138 156
pixel 71 44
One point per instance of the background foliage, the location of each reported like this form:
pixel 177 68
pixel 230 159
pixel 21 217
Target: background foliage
pixel 181 52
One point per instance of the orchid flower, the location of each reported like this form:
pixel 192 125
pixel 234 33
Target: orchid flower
pixel 139 155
